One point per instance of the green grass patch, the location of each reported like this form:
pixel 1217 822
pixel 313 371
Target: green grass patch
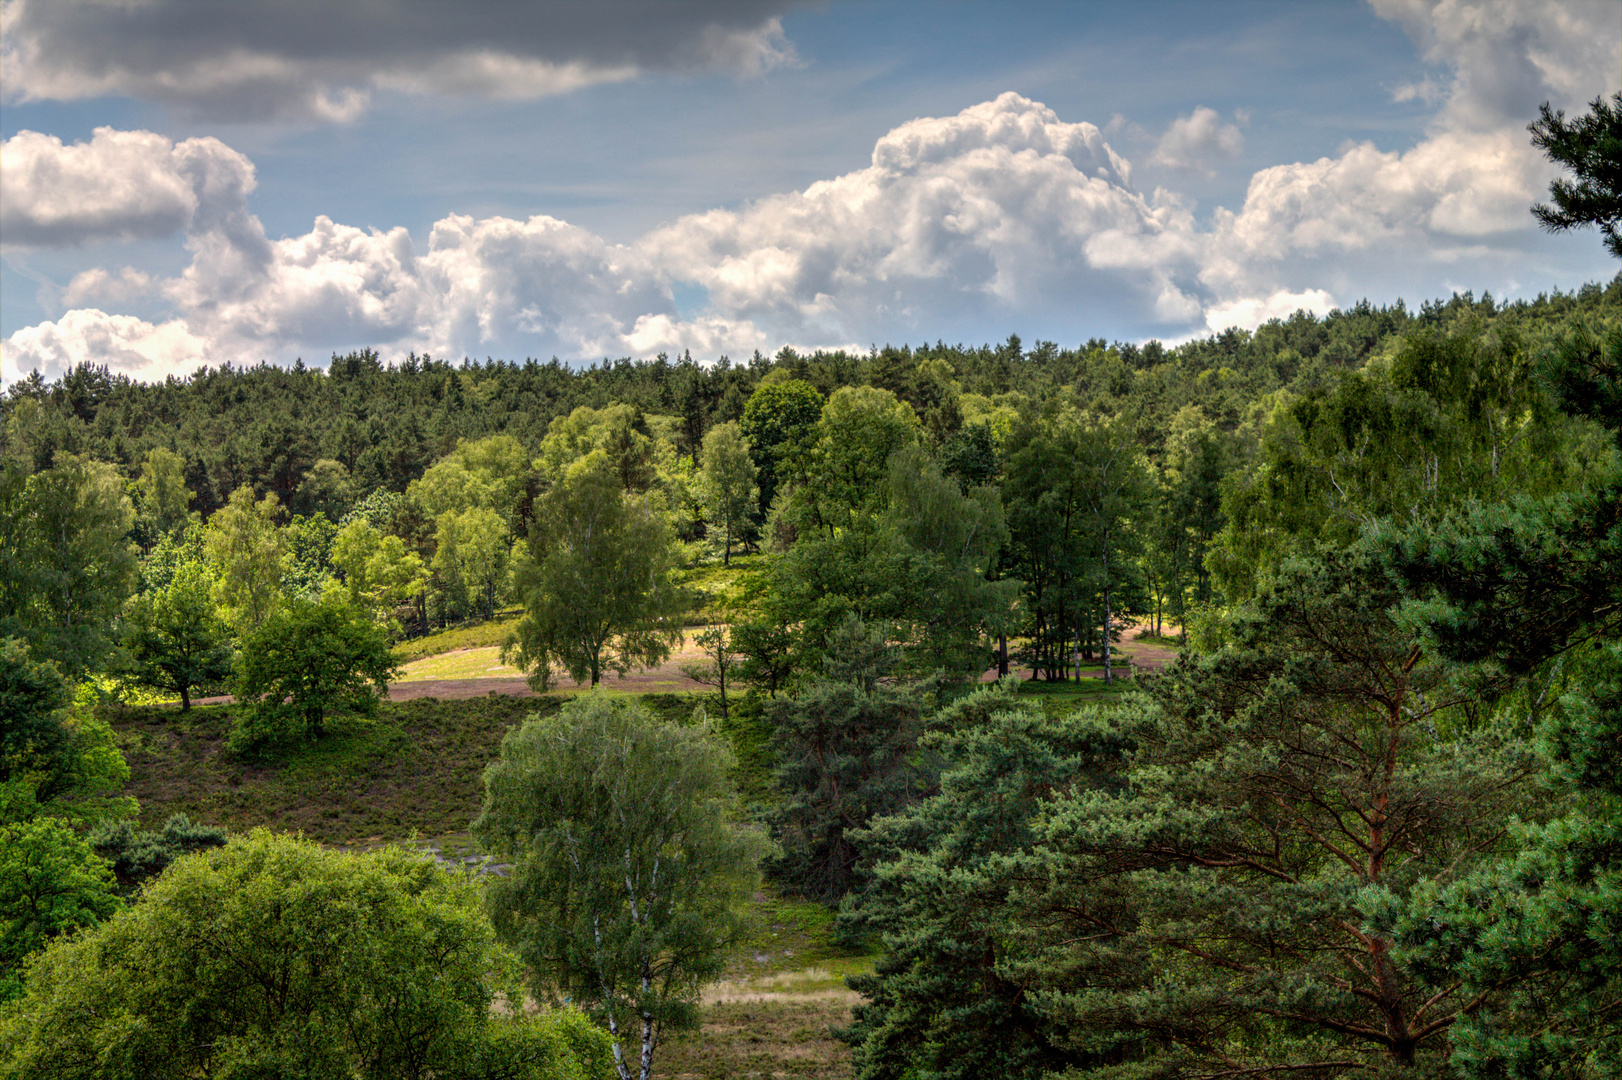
pixel 469 635
pixel 717 589
pixel 478 663
pixel 1060 698
pixel 788 936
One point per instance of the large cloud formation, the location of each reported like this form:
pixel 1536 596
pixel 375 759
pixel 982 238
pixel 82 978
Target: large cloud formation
pixel 1004 209
pixel 248 60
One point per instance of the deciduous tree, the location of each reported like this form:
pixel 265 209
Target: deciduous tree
pixel 629 864
pixel 598 586
pixel 306 659
pixel 273 957
pixel 174 636
pixel 729 482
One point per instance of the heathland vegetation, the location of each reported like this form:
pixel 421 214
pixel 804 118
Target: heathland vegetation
pixel 1365 823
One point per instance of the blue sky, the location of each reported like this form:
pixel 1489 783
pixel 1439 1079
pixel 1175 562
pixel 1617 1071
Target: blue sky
pixel 194 183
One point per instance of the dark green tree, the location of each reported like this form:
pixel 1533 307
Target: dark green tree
pixel 1212 915
pixel 779 422
pixel 848 747
pixel 629 864
pixel 306 659
pixel 950 997
pixel 1591 147
pixel 137 856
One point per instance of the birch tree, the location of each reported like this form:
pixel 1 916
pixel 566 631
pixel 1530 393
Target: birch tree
pixel 629 865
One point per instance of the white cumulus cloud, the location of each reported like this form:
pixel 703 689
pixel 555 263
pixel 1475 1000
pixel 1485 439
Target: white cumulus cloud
pixel 1004 212
pixel 1249 312
pixel 124 343
pixel 1196 141
pixel 121 185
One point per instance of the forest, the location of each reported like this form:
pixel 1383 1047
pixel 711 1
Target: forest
pixel 1366 823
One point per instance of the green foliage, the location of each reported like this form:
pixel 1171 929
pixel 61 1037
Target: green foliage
pixel 66 565
pixel 848 752
pixel 56 755
pixel 598 586
pixel 1529 595
pixel 949 997
pixel 51 883
pixel 246 549
pixel 1454 416
pixel 1212 911
pixel 779 422
pixel 1076 492
pixel 1591 147
pixel 306 658
pixel 272 957
pixel 729 482
pixel 629 866
pixel 378 571
pixel 174 636
pixel 619 432
pixel 165 500
pixel 136 856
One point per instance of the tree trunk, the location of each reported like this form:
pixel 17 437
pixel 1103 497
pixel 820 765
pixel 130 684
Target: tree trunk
pixel 1002 656
pixel 185 700
pixel 1108 675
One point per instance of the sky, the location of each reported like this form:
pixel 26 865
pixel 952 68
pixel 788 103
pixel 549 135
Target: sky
pixel 185 182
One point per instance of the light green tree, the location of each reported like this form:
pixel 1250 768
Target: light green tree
pixel 272 957
pixel 174 636
pixel 598 586
pixel 491 473
pixel 165 498
pixel 729 482
pixel 379 572
pixel 619 431
pixel 630 864
pixel 247 550
pixel 481 548
pixel 66 559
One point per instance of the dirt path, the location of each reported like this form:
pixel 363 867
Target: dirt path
pixel 667 678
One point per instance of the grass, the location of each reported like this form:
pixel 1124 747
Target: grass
pixel 718 589
pixel 761 1039
pixel 466 663
pixel 416 768
pixel 1059 698
pixel 470 635
pixel 774 1013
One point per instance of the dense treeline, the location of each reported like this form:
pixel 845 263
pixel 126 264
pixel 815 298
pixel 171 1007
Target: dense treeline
pixel 267 427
